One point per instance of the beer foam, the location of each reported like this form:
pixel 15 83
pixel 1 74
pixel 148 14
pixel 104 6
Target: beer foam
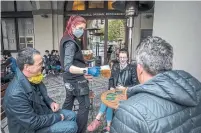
pixel 105 67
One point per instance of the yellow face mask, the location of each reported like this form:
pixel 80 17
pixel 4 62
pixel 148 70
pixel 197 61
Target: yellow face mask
pixel 36 79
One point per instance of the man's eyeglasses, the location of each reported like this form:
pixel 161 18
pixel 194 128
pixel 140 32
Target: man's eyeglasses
pixel 122 57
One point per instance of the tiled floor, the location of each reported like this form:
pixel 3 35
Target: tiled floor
pixel 57 92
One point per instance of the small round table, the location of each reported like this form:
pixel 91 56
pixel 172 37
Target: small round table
pixel 114 103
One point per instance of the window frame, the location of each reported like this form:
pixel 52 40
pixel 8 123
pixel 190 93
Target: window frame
pixel 2 37
pixel 104 5
pixel 15 15
pixel 87 9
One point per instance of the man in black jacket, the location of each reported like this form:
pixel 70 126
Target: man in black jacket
pixel 26 103
pixel 166 100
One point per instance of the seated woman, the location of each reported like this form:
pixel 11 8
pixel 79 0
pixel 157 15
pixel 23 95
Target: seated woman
pixel 123 75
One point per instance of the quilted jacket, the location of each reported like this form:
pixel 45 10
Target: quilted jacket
pixel 169 102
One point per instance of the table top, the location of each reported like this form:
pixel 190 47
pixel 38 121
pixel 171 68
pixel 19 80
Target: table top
pixel 111 98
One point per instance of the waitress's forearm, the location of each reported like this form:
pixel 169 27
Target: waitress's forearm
pixel 76 70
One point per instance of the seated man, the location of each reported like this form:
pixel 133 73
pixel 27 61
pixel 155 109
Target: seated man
pixel 166 100
pixel 46 62
pixel 11 63
pixel 26 103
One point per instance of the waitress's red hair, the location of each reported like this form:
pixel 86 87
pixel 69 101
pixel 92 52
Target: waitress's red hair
pixel 73 21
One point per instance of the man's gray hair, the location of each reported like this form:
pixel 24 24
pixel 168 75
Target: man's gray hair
pixel 155 55
pixel 25 56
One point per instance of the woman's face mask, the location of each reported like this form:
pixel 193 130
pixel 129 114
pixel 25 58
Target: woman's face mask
pixel 78 32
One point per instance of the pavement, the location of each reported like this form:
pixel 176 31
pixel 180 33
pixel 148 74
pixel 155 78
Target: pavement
pixel 56 91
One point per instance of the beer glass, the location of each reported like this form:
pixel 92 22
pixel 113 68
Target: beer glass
pixel 87 54
pixel 105 71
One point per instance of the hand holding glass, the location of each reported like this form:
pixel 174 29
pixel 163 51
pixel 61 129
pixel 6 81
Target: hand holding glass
pixel 94 71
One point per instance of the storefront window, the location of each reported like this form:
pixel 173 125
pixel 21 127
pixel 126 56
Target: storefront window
pixel 95 33
pixel 7 6
pixel 24 6
pixel 26 32
pixel 8 34
pixel 96 4
pixel 110 5
pixel 78 5
pixel 17 32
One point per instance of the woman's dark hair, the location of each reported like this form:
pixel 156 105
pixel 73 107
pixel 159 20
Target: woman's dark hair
pixel 124 51
pixel 6 53
pixel 52 52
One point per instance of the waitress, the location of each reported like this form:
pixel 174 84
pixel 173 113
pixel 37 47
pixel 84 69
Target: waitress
pixel 75 69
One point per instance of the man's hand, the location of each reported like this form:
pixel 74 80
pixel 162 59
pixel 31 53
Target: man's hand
pixel 111 88
pixel 119 87
pixel 62 117
pixel 54 106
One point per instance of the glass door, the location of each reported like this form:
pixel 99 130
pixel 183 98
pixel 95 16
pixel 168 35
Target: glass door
pixel 95 37
pixel 110 31
pixel 116 37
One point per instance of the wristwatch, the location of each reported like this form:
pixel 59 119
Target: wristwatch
pixel 85 71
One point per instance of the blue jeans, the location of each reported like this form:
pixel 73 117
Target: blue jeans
pixel 109 112
pixel 68 125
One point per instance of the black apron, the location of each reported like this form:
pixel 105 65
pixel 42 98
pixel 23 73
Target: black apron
pixel 76 83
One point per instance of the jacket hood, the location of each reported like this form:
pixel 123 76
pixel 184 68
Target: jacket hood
pixel 177 86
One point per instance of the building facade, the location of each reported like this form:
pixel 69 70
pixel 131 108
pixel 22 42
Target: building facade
pixel 40 24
